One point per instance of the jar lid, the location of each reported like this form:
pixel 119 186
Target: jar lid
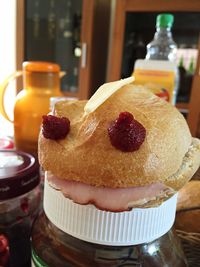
pixel 88 223
pixel 40 66
pixel 19 173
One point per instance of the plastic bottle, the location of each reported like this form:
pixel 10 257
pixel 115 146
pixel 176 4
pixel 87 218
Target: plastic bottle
pixel 163 47
pixel 41 81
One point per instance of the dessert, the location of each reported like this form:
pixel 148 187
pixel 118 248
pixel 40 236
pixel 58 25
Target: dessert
pixel 125 148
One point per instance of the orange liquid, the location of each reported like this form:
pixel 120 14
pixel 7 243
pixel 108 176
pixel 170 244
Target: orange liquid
pixel 31 104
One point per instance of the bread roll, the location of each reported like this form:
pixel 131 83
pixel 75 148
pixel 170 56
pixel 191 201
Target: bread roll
pixel 168 154
pixel 188 208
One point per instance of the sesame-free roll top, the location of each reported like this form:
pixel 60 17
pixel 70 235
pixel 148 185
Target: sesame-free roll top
pixel 123 137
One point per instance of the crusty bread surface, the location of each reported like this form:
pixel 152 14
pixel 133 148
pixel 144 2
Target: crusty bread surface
pixel 167 154
pixel 188 208
pixel 189 196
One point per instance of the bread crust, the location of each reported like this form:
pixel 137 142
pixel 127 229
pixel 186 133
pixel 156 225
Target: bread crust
pixel 189 196
pixel 188 208
pixel 86 154
pixel 188 221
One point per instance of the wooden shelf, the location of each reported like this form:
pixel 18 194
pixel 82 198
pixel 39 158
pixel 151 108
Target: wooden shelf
pixel 122 9
pixel 182 106
pixel 94 38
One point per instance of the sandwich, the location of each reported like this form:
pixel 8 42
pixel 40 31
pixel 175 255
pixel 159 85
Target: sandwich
pixel 123 148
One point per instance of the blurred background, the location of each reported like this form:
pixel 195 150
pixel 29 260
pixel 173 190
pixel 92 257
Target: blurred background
pixel 95 41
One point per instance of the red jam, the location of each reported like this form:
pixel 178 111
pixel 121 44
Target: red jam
pixel 126 133
pixel 20 203
pixel 54 127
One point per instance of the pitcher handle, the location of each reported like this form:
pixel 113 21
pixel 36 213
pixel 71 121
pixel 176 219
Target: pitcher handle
pixel 3 88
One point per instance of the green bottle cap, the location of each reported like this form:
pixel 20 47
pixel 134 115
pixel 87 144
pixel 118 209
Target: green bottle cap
pixel 164 20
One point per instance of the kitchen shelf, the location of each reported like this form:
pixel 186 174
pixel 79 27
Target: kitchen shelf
pixel 70 33
pixel 135 16
pixel 184 106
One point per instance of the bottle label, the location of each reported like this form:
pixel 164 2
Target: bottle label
pixel 37 261
pixel 159 82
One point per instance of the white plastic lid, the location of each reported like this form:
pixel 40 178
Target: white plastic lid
pixel 88 223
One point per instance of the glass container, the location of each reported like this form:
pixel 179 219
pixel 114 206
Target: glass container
pixel 69 234
pixel 20 201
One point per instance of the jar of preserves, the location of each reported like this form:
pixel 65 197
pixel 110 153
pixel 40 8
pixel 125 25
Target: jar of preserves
pixel 19 205
pixel 69 234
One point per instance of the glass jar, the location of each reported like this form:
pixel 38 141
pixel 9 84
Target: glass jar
pixel 52 247
pixel 20 200
pixel 69 234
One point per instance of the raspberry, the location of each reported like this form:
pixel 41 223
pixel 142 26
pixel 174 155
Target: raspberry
pixel 126 133
pixel 54 127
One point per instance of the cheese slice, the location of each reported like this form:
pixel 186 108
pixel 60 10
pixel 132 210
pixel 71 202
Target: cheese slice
pixel 104 92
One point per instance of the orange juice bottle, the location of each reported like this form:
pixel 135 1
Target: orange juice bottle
pixel 41 80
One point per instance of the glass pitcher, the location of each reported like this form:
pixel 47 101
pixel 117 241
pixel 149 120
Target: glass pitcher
pixel 41 80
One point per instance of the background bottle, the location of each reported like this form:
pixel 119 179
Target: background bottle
pixel 163 47
pixel 182 94
pixel 41 81
pixel 36 20
pixel 52 20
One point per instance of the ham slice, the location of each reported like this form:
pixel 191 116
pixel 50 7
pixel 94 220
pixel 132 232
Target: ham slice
pixel 110 199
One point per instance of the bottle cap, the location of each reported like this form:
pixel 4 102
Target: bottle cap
pixel 164 20
pixel 88 223
pixel 40 66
